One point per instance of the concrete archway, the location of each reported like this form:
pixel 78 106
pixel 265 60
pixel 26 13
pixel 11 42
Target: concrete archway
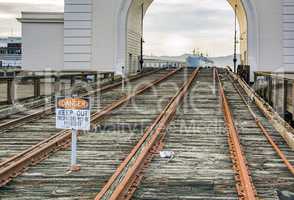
pixel 246 16
pixel 93 35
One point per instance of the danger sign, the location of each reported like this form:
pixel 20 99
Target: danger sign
pixel 73 113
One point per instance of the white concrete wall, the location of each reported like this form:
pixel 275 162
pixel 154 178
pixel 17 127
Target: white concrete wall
pixel 104 27
pixel 126 40
pixel 242 19
pixel 134 33
pixel 108 27
pixel 78 35
pixel 270 55
pixel 116 33
pixel 265 40
pixel 288 34
pixel 98 34
pixel 42 46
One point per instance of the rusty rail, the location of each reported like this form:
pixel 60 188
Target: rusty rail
pixel 285 130
pixel 19 163
pixel 124 99
pixel 128 175
pixel 265 131
pixel 245 188
pixel 39 114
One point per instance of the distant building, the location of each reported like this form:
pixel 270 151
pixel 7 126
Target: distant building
pixel 10 52
pixel 161 63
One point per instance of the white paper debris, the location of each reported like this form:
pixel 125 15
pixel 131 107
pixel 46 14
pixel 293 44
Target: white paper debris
pixel 167 154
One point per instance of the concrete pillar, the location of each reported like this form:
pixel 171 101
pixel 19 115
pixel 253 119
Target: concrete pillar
pixel 255 77
pixel 274 92
pixel 96 77
pixel 264 88
pixel 57 85
pixel 112 76
pixel 72 80
pixel 84 77
pixel 280 97
pixel 11 91
pixel 256 84
pixel 37 87
pixel 62 88
pixel 270 90
pixel 292 98
pixel 285 106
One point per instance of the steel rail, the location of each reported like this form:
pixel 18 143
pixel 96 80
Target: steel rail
pixel 126 98
pixel 17 164
pixel 39 114
pixel 245 188
pixel 109 108
pixel 265 131
pixel 284 129
pixel 128 175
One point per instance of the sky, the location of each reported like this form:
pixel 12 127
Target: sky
pixel 11 9
pixel 175 27
pixel 171 27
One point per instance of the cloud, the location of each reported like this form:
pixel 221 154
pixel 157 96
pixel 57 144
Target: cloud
pixel 11 9
pixel 171 27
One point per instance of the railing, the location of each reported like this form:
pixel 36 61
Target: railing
pixel 27 85
pixel 277 89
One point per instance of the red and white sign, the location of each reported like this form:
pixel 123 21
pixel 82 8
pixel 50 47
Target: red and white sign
pixel 73 113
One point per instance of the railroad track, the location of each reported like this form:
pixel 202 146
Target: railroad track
pixel 269 173
pixel 223 155
pixel 201 167
pixel 37 139
pixel 99 152
pixel 45 106
pixel 224 148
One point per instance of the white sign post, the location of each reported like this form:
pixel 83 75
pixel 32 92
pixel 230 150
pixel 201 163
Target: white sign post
pixel 74 166
pixel 74 114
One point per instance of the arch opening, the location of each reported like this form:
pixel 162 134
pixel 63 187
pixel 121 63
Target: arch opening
pixel 130 31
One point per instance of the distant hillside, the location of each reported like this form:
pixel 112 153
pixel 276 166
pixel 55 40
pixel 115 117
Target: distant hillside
pixel 218 61
pixel 224 61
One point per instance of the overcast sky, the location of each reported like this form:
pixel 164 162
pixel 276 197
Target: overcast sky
pixel 172 27
pixel 10 9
